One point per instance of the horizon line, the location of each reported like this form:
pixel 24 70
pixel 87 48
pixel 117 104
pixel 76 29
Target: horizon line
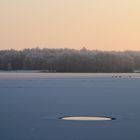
pixel 83 48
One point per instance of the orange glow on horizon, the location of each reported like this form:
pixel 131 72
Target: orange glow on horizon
pixel 98 24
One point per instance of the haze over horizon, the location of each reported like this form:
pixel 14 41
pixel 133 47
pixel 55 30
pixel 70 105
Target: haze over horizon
pixel 94 24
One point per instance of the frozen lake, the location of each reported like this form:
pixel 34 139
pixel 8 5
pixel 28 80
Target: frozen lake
pixel 32 103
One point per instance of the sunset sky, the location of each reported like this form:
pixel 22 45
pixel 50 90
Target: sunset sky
pixel 94 24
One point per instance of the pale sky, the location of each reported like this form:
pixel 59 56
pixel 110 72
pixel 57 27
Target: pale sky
pixel 94 24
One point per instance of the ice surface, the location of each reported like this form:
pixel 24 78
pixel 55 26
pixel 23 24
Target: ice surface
pixel 31 103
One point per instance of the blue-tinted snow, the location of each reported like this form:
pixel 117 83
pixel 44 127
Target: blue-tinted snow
pixel 31 103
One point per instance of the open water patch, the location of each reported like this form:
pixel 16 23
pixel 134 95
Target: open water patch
pixel 86 118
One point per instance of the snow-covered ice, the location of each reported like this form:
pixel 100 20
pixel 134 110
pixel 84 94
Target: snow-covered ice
pixel 31 103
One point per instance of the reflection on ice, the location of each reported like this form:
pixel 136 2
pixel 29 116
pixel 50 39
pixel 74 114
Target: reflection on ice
pixel 84 118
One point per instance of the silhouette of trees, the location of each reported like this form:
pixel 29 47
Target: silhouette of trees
pixel 69 60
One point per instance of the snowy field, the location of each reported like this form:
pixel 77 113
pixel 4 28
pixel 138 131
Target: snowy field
pixel 32 103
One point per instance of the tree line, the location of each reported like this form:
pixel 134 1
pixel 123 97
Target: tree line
pixel 70 60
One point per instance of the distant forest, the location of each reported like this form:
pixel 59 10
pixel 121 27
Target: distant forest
pixel 70 60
